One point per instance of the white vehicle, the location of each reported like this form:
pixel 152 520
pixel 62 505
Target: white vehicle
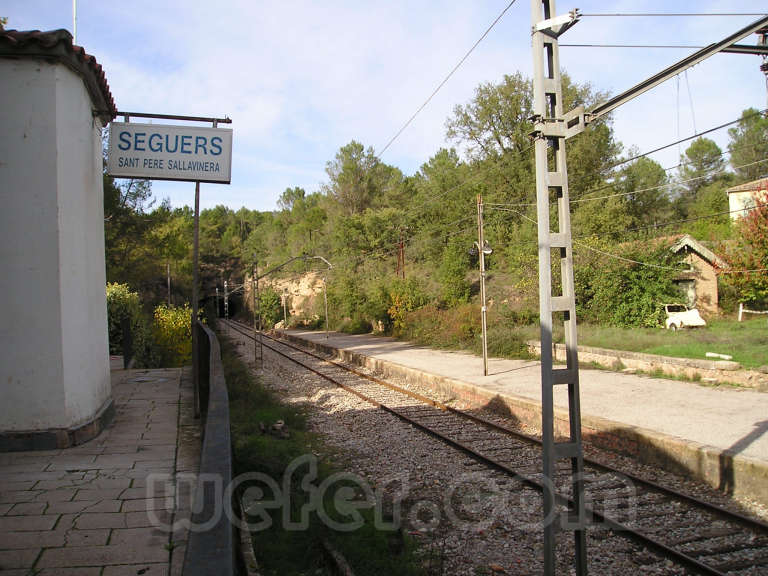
pixel 680 316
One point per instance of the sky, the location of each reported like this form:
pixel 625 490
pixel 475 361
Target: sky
pixel 301 79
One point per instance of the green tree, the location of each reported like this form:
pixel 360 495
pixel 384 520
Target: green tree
pixel 701 165
pixel 290 197
pixel 710 199
pixel 644 185
pixel 749 145
pixel 127 226
pixel 496 120
pixel 748 259
pixel 625 293
pixel 354 178
pixel 494 128
pixel 453 274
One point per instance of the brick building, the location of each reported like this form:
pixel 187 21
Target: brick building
pixel 699 283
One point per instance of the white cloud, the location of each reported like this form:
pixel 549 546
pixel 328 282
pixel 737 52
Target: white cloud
pixel 301 78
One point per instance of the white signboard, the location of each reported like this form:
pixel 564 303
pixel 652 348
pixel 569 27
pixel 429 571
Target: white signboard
pixel 162 152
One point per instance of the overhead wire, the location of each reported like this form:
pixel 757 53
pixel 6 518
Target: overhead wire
pixel 667 184
pixel 694 136
pixel 645 46
pixel 624 259
pixel 685 220
pixel 448 77
pixel 662 225
pixel 576 242
pixel 667 14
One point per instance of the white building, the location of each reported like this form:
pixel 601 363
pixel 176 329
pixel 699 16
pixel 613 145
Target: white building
pixel 54 355
pixel 745 196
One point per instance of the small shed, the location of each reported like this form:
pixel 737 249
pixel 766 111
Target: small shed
pixel 699 283
pixel 745 196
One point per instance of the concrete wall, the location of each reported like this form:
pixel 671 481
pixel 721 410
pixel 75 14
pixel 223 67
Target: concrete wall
pixel 741 201
pixel 54 356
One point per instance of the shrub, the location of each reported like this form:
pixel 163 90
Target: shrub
pixel 453 275
pixel 271 307
pixel 172 334
pixel 404 297
pixel 124 305
pixel 355 326
pixel 626 293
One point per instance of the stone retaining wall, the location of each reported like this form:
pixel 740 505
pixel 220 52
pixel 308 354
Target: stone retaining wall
pixel 713 371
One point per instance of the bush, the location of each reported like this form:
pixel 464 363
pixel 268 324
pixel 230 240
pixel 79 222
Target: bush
pixel 404 297
pixel 355 326
pixel 628 294
pixel 172 335
pixel 124 305
pixel 271 307
pixel 453 275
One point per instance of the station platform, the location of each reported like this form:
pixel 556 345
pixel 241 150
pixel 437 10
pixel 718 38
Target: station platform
pixel 716 434
pixel 108 506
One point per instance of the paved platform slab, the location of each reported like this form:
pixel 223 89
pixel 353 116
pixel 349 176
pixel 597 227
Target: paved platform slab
pixel 726 423
pixel 107 506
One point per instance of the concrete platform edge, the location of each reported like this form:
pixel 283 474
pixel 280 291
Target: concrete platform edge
pixel 726 471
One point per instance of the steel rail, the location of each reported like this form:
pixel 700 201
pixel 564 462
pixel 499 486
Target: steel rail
pixel 619 528
pixel 707 506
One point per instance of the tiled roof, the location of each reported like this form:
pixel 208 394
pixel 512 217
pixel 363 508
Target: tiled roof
pixel 689 242
pixel 57 46
pixel 760 184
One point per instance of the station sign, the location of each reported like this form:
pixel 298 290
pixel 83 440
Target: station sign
pixel 169 152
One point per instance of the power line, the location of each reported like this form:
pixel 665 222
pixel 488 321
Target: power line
pixel 436 90
pixel 623 259
pixel 696 135
pixel 742 271
pixel 668 169
pixel 648 264
pixel 496 163
pixel 640 190
pixel 669 14
pixel 673 183
pixel 679 46
pixel 695 219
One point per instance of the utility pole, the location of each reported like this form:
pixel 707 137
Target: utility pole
pixel 482 251
pixel 254 289
pixel 763 43
pixel 218 315
pixel 325 299
pixel 168 270
pixel 226 302
pixel 195 301
pixel 551 128
pixel 325 287
pixel 285 311
pixel 400 271
pixel 257 309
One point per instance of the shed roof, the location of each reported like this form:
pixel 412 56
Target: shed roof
pixel 57 46
pixel 688 242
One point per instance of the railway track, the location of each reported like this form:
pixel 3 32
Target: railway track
pixel 694 534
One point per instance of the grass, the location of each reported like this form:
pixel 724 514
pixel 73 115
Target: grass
pixel 459 329
pixel 287 552
pixel 746 341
